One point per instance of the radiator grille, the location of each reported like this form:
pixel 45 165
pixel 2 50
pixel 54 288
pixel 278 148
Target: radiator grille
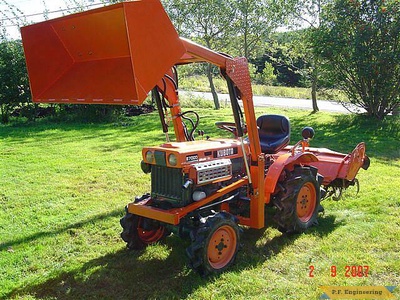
pixel 166 182
pixel 210 171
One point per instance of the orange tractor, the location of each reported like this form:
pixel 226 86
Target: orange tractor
pixel 200 189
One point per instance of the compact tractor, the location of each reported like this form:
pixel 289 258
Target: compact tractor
pixel 200 189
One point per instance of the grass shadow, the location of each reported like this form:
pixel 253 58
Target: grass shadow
pixel 128 274
pixel 326 225
pixel 43 234
pixel 255 253
pixel 123 274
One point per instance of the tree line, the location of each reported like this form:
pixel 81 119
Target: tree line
pixel 349 45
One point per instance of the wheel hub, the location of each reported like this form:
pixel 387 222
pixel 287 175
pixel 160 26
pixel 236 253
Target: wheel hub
pixel 221 246
pixel 304 202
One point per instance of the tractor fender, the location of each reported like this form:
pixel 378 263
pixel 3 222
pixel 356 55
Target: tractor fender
pixel 286 161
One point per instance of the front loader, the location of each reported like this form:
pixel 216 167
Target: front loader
pixel 200 189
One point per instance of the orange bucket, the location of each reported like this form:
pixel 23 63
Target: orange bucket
pixel 111 55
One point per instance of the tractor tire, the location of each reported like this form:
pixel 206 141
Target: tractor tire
pixel 298 202
pixel 215 244
pixel 137 237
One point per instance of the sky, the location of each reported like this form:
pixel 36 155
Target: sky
pixel 33 10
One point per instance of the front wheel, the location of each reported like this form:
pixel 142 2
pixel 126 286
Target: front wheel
pixel 214 244
pixel 298 202
pixel 138 232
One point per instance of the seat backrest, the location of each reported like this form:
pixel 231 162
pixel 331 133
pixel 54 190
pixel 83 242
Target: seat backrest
pixel 274 132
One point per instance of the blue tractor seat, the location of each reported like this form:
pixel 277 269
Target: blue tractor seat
pixel 274 133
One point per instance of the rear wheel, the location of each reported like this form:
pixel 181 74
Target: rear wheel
pixel 138 232
pixel 298 202
pixel 214 244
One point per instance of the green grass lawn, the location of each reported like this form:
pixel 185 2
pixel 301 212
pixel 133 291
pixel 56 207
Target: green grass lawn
pixel 64 187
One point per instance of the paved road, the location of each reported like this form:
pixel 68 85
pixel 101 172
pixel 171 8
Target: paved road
pixel 262 101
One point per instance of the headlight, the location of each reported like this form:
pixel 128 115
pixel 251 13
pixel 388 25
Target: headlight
pixel 172 159
pixel 149 156
pixel 146 168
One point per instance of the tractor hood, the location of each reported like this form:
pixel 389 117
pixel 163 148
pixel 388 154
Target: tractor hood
pixel 111 55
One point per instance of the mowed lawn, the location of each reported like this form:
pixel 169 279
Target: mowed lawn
pixel 63 188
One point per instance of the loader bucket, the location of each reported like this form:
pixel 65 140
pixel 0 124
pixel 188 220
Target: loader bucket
pixel 111 55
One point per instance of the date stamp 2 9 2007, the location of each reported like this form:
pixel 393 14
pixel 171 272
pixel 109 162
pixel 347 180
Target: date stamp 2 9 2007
pixel 347 271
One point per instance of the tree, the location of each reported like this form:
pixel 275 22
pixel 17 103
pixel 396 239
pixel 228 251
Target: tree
pixel 251 26
pixel 12 16
pixel 14 86
pixel 360 44
pixel 205 21
pixel 235 26
pixel 306 15
pixel 288 61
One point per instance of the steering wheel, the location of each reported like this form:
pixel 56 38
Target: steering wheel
pixel 229 126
